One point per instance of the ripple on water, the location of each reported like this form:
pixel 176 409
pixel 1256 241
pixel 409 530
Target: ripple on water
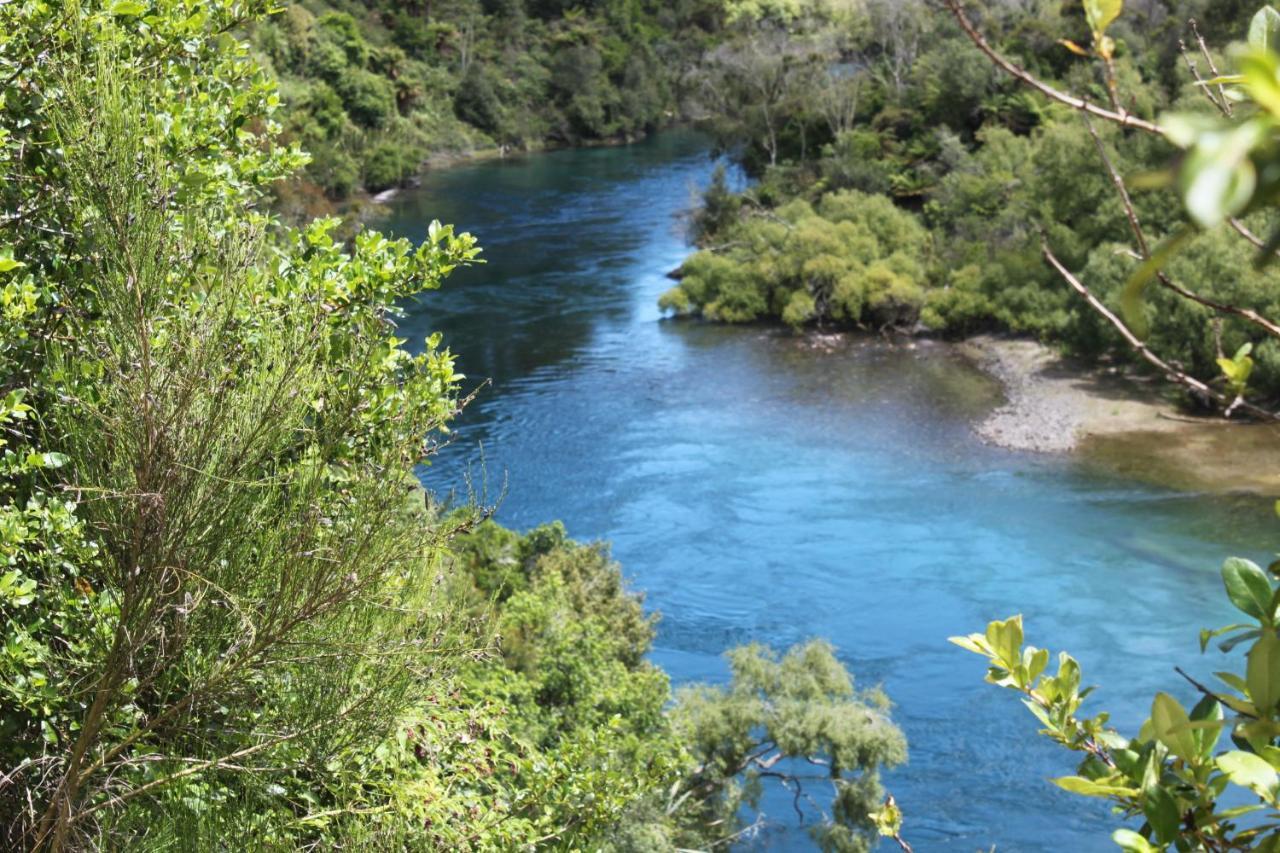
pixel 760 486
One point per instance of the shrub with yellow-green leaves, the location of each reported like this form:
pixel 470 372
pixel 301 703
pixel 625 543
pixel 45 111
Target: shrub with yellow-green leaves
pixel 852 259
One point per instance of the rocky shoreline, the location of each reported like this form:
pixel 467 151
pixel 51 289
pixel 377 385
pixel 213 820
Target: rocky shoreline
pixel 1118 423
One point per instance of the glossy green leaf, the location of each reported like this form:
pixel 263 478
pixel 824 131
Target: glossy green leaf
pixel 1248 588
pixel 1206 634
pixel 1162 813
pixel 973 642
pixel 1249 771
pixel 1263 672
pixel 1090 788
pixel 1234 680
pixel 1102 13
pixel 1262 79
pixel 1132 842
pixel 1207 710
pixel 1005 639
pixel 1171 726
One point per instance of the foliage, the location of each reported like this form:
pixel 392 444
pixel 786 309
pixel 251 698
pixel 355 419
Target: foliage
pixel 1190 791
pixel 384 85
pixel 855 259
pixel 222 566
pixel 897 103
pixel 801 706
pixel 573 724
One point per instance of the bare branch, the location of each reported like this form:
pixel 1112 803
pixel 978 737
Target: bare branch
pixel 1194 385
pixel 1218 100
pixel 1213 68
pixel 1120 116
pixel 1135 224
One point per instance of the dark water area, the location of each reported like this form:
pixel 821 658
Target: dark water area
pixel 761 486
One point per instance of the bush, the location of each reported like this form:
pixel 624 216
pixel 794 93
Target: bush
pixel 388 165
pixel 370 100
pixel 854 260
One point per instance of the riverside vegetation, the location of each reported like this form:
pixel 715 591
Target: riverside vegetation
pixel 230 613
pixel 374 88
pixel 906 182
pixel 1174 779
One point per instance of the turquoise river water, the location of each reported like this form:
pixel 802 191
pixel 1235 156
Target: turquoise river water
pixel 762 486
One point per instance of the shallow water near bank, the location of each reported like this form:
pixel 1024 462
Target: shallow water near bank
pixel 760 486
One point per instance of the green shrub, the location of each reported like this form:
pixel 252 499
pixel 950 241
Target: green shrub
pixel 388 165
pixel 370 100
pixel 855 260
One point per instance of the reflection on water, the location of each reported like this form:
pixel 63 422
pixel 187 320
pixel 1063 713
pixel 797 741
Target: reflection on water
pixel 761 486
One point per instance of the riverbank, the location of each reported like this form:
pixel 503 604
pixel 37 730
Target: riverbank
pixel 1119 423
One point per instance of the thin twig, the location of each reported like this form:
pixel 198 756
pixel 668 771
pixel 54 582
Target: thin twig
pixel 1139 236
pixel 1120 116
pixel 1206 691
pixel 1197 387
pixel 1213 67
pixel 1219 102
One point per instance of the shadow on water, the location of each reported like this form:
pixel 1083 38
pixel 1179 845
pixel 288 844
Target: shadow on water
pixel 763 486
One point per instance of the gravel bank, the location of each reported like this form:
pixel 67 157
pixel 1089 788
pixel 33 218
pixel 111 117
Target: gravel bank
pixel 1119 424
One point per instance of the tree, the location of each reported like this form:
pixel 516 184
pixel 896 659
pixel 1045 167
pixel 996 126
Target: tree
pixel 779 716
pixel 753 84
pixel 1173 775
pixel 229 569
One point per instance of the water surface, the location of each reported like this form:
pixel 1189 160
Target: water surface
pixel 759 486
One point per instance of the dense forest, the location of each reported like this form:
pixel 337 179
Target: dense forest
pixel 906 183
pixel 373 90
pixel 230 609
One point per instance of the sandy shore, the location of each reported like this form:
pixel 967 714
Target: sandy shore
pixel 1119 423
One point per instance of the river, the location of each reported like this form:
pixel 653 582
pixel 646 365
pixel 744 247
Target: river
pixel 761 486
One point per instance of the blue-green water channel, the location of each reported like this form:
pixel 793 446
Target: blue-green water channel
pixel 760 486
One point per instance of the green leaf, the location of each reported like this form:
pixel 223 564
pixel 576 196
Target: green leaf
pixel 127 8
pixel 1102 13
pixel 55 460
pixel 1260 79
pixel 1231 642
pixel 1090 788
pixel 1162 812
pixel 7 261
pixel 1036 661
pixel 1240 706
pixel 1264 29
pixel 1248 588
pixel 1217 183
pixel 1207 710
pixel 1206 634
pixel 1234 680
pixel 1183 129
pixel 1263 672
pixel 1249 771
pixel 1224 80
pixel 974 642
pixel 1005 639
pixel 1131 297
pixel 1172 727
pixel 1132 842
